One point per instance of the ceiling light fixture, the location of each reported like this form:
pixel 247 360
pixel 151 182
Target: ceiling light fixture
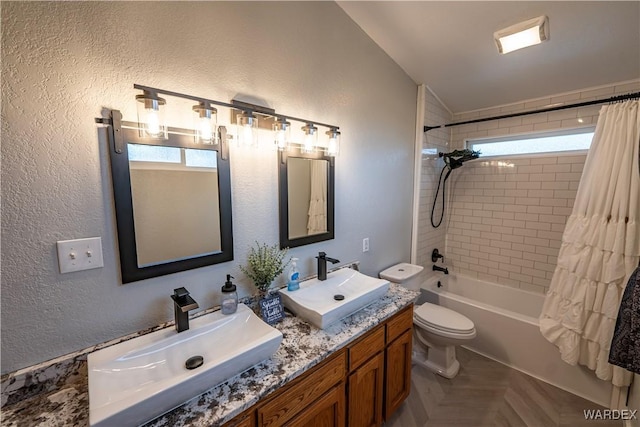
pixel 523 34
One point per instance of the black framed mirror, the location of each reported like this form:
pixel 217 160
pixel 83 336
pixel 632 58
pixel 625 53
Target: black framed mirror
pixel 306 198
pixel 172 201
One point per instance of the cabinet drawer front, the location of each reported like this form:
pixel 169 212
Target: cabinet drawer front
pixel 366 347
pixel 298 396
pixel 399 323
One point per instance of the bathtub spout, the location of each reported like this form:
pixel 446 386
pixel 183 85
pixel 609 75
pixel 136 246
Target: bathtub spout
pixel 443 269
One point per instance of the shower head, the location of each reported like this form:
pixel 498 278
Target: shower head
pixel 456 158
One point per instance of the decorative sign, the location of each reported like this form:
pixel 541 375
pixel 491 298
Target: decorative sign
pixel 272 309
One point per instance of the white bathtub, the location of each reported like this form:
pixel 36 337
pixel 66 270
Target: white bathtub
pixel 506 321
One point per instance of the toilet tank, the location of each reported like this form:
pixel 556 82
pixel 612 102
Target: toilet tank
pixel 405 274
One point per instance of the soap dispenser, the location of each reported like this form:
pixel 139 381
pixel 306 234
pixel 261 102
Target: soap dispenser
pixel 229 303
pixel 294 276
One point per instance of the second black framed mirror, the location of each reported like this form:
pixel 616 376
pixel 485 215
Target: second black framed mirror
pixel 306 184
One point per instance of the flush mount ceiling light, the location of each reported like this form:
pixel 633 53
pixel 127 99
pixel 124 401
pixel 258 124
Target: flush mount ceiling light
pixel 523 34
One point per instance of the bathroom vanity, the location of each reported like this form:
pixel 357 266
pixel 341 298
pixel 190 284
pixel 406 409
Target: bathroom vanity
pixel 354 372
pixel 360 385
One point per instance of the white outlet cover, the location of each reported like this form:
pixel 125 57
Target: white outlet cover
pixel 80 254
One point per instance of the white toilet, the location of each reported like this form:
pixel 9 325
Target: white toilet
pixel 437 330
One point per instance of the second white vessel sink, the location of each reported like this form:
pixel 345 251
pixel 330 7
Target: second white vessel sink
pixel 324 302
pixel 139 379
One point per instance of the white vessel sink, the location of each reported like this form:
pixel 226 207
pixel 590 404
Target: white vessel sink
pixel 137 380
pixel 316 300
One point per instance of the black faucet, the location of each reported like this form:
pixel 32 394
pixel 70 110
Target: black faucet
pixel 182 303
pixel 322 265
pixel 443 269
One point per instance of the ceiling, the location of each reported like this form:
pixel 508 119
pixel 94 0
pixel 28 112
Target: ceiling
pixel 448 45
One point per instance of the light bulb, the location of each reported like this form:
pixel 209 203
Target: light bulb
pixel 153 122
pixel 281 133
pixel 205 123
pixel 206 133
pixel 333 148
pixel 247 135
pixel 310 138
pixel 151 115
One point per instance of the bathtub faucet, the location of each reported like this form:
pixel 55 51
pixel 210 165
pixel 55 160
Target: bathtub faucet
pixel 443 269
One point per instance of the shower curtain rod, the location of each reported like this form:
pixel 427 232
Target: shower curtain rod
pixel 617 98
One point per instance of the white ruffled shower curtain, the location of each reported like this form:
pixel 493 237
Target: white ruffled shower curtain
pixel 317 221
pixel 600 247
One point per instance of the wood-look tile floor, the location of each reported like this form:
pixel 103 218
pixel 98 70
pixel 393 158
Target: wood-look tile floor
pixel 487 393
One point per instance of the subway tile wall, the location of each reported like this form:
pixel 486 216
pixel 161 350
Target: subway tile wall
pixel 506 217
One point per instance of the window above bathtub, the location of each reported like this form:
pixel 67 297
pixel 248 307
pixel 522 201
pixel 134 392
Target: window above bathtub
pixel 577 139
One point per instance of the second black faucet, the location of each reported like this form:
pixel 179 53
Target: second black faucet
pixel 322 265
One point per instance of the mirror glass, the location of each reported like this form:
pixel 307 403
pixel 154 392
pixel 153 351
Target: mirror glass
pixel 177 186
pixel 306 199
pixel 172 201
pixel 307 191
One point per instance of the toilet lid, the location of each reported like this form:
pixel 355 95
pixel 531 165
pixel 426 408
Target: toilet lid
pixel 442 318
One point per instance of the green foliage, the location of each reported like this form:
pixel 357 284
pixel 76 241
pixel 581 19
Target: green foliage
pixel 264 264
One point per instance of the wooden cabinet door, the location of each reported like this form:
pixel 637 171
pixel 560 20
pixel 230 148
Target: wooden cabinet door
pixel 366 386
pixel 328 411
pixel 398 373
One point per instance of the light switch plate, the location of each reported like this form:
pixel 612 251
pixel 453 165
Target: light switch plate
pixel 80 254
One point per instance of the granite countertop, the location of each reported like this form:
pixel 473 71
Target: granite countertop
pixel 303 346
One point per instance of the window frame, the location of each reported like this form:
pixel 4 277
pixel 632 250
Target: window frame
pixel 476 143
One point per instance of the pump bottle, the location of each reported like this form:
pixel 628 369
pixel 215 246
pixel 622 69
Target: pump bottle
pixel 229 303
pixel 294 276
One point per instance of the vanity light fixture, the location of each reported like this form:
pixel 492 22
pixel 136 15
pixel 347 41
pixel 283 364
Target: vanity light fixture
pixel 206 119
pixel 523 34
pixel 334 142
pixel 247 117
pixel 281 133
pixel 151 115
pixel 310 138
pixel 247 129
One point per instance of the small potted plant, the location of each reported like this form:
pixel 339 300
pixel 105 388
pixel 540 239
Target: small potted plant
pixel 264 264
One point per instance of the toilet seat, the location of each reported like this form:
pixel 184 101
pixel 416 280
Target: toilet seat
pixel 443 321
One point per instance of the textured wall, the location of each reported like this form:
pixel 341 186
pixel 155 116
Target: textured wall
pixel 63 62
